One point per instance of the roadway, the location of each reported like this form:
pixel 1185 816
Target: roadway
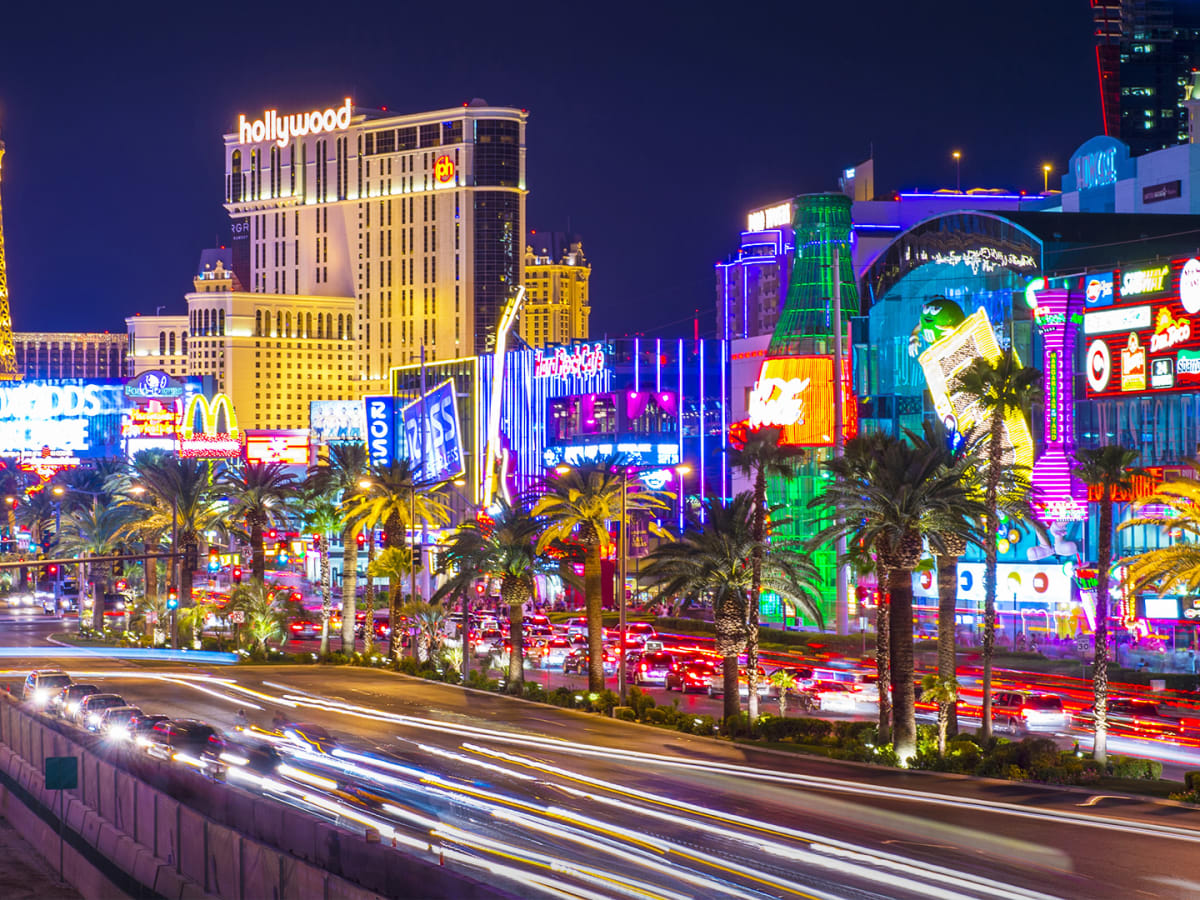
pixel 567 804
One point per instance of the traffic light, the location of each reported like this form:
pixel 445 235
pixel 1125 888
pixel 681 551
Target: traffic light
pixel 214 560
pixel 362 540
pixel 479 588
pixel 316 543
pixel 237 574
pixel 273 535
pixel 172 597
pixel 52 570
pixel 121 585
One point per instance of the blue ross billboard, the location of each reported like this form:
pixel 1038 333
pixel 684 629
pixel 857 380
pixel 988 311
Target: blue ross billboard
pixel 443 456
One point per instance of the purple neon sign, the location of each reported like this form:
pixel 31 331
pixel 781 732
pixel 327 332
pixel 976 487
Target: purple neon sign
pixel 1057 494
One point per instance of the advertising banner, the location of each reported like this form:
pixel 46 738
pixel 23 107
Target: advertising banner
pixel 442 458
pixel 796 394
pixel 380 414
pixel 337 421
pixel 77 417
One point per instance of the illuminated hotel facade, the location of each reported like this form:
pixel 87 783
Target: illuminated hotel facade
pixel 420 218
pixel 557 306
pixel 49 355
pixel 272 354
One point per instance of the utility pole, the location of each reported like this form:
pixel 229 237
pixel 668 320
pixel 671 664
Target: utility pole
pixel 839 437
pixel 621 685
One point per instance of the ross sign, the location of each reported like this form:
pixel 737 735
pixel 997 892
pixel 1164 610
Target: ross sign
pixel 635 453
pixel 578 359
pixel 442 458
pixel 381 430
pixel 153 385
pixel 281 129
pixel 796 395
pixel 443 169
pixel 1098 289
pixel 773 216
pixel 337 421
pixel 943 363
pixel 209 429
pixel 1144 281
pixel 287 447
pixel 1168 190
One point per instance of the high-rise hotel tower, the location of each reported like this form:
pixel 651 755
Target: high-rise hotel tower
pixel 419 217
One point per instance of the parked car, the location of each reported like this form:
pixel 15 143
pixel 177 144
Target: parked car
pixel 66 703
pixel 689 676
pixel 42 684
pixel 93 706
pixel 1023 711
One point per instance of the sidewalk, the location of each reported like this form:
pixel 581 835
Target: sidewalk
pixel 23 874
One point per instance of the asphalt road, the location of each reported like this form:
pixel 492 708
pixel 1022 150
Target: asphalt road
pixel 595 807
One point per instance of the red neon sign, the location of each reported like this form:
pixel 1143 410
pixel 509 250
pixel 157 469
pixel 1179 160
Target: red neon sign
pixel 443 169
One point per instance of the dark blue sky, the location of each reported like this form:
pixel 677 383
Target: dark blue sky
pixel 653 127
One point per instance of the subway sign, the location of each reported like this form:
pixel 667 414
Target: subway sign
pixel 1148 340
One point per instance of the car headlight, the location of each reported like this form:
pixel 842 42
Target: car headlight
pixel 41 696
pixel 118 733
pixel 72 708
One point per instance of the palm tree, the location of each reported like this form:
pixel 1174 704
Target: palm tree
pixel 716 560
pixel 999 388
pixel 1174 569
pixel 890 493
pixel 760 457
pixel 784 682
pixel 1107 468
pixel 503 546
pixel 340 481
pixel 94 531
pixel 259 496
pixel 36 512
pixel 395 564
pixel 322 518
pixel 183 488
pixel 264 620
pixel 949 540
pixel 943 692
pixel 577 507
pixel 368 600
pixel 429 619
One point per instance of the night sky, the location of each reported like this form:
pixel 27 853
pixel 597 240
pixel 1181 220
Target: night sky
pixel 653 127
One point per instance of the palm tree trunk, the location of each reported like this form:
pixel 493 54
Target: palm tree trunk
pixel 592 597
pixel 760 527
pixel 395 645
pixel 349 586
pixel 258 559
pixel 369 603
pixel 187 565
pixel 1100 671
pixel 947 569
pixel 883 659
pixel 326 597
pixel 516 637
pixel 729 671
pixel 989 573
pixel 150 567
pixel 904 713
pixel 97 599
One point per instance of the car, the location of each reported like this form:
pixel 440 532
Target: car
pixel 555 653
pixel 716 683
pixel 92 706
pixel 689 675
pixel 304 630
pixel 578 625
pixel 1135 716
pixel 42 684
pixel 578 662
pixel 257 756
pixel 1025 711
pixel 116 721
pixel 141 726
pixel 308 736
pixel 189 741
pixel 488 641
pixel 66 702
pixel 651 668
pixel 834 696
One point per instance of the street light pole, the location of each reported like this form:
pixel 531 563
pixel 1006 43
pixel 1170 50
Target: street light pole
pixel 621 678
pixel 176 572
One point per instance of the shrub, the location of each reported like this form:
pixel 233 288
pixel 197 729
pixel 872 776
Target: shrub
pixel 796 730
pixel 640 702
pixel 531 690
pixel 625 714
pixel 1192 780
pixel 1132 767
pixel 737 725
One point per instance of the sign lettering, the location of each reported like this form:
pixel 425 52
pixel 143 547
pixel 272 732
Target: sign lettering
pixel 380 430
pixel 582 359
pixel 281 129
pixel 1144 281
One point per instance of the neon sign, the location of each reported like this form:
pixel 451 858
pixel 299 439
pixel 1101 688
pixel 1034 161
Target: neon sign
pixel 287 447
pixel 1189 286
pixel 154 384
pixel 1099 291
pixel 771 217
pixel 1133 365
pixel 796 394
pixel 442 457
pixel 1169 331
pixel 79 418
pixel 47 463
pixel 210 442
pixel 281 129
pixel 582 359
pixel 381 428
pixel 443 169
pixel 1096 169
pixel 1144 281
pixel 1057 493
pixel 152 421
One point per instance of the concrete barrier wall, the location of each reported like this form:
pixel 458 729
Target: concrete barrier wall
pixel 171 833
